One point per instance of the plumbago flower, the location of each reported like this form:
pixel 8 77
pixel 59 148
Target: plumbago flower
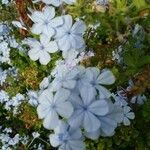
pixel 44 22
pixel 87 110
pixel 69 35
pixel 67 138
pixel 52 105
pixel 109 122
pixel 97 79
pixel 78 101
pixel 41 49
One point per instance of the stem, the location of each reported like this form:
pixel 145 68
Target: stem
pixel 31 143
pixel 44 141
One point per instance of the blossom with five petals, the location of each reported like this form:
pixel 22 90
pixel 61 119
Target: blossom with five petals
pixel 44 21
pixel 52 106
pixel 70 36
pixel 41 49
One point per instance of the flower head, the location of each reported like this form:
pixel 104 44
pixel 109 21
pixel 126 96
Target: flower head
pixel 41 49
pixel 97 79
pixel 87 110
pixel 53 105
pixel 69 36
pixel 109 122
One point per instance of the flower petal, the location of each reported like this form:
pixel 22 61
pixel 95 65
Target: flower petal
pixel 64 44
pixel 99 107
pixel 130 115
pixel 64 109
pixel 44 39
pixel 68 22
pixel 49 12
pixel 46 97
pixel 37 17
pixel 61 96
pixel 79 27
pixel 90 122
pixel 79 42
pixel 76 145
pixel 126 121
pixel 48 30
pixel 103 92
pixel 51 120
pixel 52 47
pixel 76 119
pixel 87 94
pixel 44 58
pixel 57 21
pixel 54 140
pixel 106 78
pixel 93 135
pixel 43 110
pixel 69 84
pixel 34 54
pixel 37 28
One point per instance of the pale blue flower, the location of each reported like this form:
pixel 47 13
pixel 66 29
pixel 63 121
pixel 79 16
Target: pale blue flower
pixel 87 109
pixel 109 122
pixel 70 36
pixel 41 49
pixel 67 138
pixel 127 115
pixel 97 79
pixel 44 22
pixel 51 105
pixel 57 3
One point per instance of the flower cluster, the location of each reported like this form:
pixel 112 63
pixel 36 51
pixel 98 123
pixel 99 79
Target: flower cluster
pixel 11 103
pixel 79 96
pixel 56 33
pixel 8 141
pixel 7 42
